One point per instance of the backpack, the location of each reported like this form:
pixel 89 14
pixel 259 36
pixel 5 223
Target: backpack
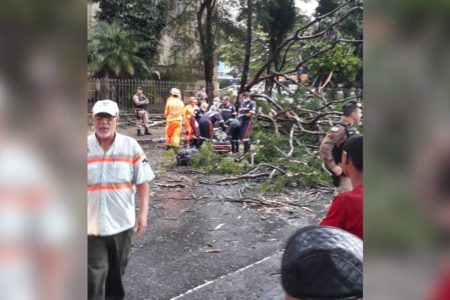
pixel 184 156
pixel 338 149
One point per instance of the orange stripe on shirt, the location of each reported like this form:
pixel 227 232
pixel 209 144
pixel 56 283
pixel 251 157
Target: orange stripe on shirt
pixel 110 159
pixel 137 158
pixel 108 187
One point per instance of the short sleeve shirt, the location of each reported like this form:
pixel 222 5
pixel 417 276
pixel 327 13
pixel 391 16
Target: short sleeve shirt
pixel 346 212
pixel 112 176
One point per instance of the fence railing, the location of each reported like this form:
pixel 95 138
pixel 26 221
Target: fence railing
pixel 122 91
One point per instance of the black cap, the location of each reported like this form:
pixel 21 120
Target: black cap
pixel 323 262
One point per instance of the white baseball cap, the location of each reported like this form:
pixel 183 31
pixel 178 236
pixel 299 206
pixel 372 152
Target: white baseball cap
pixel 175 91
pixel 106 106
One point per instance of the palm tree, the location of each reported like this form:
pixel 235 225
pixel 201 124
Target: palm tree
pixel 113 52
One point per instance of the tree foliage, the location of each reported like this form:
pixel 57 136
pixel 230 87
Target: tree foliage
pixel 114 52
pixel 145 19
pixel 340 61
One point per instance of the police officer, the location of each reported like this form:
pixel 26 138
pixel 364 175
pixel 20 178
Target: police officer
pixel 140 102
pixel 331 147
pixel 246 113
pixel 227 110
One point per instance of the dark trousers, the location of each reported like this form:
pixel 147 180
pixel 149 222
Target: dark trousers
pixel 107 260
pixel 246 128
pixel 206 129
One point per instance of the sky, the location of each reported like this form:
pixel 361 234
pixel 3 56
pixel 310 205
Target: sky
pixel 308 6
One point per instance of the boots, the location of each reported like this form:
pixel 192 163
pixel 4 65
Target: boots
pixel 246 147
pixel 147 132
pixel 139 133
pixel 234 147
pixel 191 143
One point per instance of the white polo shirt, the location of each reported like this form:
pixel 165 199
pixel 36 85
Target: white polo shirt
pixel 112 177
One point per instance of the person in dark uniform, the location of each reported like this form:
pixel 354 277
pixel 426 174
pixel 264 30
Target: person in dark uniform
pixel 246 113
pixel 196 115
pixel 206 123
pixel 332 144
pixel 234 129
pixel 227 110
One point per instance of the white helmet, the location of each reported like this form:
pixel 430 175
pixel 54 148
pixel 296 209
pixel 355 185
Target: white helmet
pixel 175 92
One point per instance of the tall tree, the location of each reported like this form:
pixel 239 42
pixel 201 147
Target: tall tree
pixel 248 46
pixel 206 24
pixel 277 18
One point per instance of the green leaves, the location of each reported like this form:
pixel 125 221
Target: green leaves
pixel 114 52
pixel 340 60
pixel 146 19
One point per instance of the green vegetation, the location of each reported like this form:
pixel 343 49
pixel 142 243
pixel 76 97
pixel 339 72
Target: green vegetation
pixel 301 170
pixel 113 52
pixel 214 163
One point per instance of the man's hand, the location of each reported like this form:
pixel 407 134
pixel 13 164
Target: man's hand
pixel 337 170
pixel 141 224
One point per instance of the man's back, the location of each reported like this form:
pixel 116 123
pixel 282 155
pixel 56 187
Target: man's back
pixel 174 109
pixel 346 212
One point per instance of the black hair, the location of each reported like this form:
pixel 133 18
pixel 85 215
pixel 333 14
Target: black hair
pixel 349 108
pixel 354 148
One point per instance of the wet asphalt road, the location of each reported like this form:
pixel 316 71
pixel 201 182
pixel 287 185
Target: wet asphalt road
pixel 170 261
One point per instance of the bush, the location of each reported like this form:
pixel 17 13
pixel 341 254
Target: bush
pixel 213 163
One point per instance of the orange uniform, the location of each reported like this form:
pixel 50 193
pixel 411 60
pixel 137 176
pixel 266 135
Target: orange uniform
pixel 174 116
pixel 187 114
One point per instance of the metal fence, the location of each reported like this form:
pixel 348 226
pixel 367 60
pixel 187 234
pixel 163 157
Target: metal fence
pixel 122 91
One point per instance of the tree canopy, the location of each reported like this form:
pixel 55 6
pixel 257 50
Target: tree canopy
pixel 114 52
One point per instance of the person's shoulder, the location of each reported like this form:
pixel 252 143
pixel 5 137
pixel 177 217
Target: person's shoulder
pixel 91 138
pixel 336 128
pixel 356 193
pixel 125 139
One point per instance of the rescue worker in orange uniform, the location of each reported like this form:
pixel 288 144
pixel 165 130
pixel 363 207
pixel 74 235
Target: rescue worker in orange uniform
pixel 174 117
pixel 187 114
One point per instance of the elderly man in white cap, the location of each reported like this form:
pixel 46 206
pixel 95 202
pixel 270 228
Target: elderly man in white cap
pixel 117 170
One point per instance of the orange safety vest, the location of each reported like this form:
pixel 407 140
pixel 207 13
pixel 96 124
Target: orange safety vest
pixel 187 112
pixel 174 109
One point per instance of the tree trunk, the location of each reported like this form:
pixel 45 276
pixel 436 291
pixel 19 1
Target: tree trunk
pixel 207 43
pixel 248 47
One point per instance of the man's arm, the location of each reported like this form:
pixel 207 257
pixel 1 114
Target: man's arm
pixel 336 214
pixel 138 102
pixel 335 136
pixel 252 111
pixel 141 219
pixel 166 110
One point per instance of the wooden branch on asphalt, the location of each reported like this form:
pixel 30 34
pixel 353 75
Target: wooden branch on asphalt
pixel 170 185
pixel 245 176
pixel 157 123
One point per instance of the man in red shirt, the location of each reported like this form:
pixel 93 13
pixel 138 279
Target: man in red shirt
pixel 346 210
